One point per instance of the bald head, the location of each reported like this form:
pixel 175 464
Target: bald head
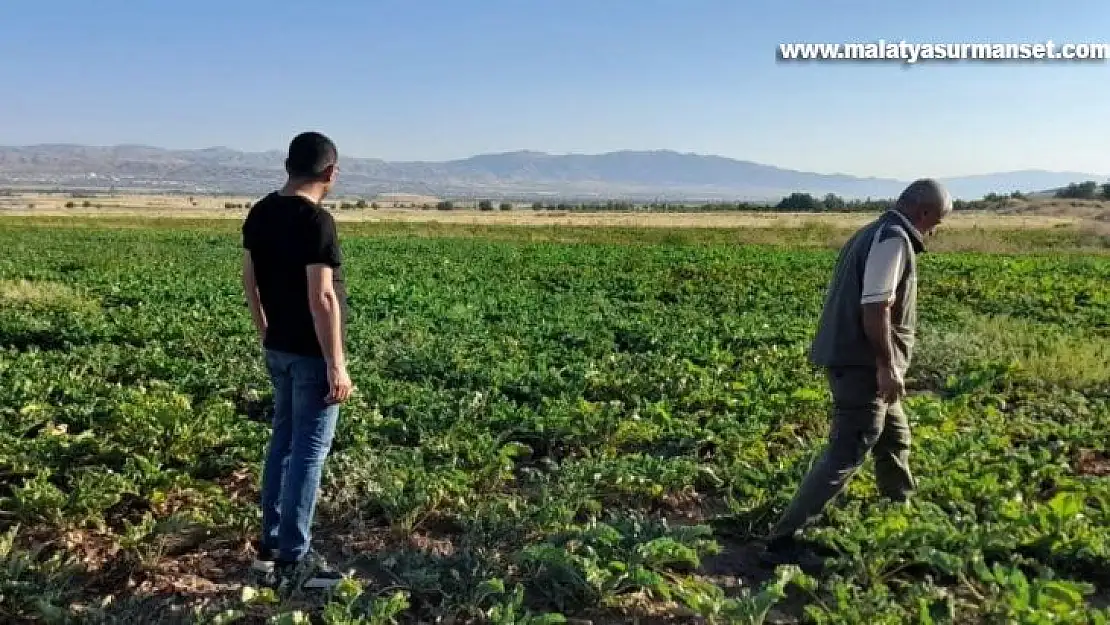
pixel 925 202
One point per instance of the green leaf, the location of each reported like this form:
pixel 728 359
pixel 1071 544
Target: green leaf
pixel 807 394
pixel 1068 593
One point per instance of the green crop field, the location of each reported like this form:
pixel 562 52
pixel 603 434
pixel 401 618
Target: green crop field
pixel 590 429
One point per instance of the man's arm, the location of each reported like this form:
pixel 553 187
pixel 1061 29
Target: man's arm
pixel 876 325
pixel 884 267
pixel 254 301
pixel 326 316
pixel 324 258
pixel 324 304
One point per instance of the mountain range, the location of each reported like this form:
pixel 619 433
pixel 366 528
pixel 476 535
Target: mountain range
pixel 636 175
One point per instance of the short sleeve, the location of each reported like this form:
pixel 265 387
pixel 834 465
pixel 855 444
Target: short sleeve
pixel 883 270
pixel 323 244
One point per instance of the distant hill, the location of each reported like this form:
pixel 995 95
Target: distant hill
pixel 660 174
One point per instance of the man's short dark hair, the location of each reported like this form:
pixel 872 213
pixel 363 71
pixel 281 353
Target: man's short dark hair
pixel 310 153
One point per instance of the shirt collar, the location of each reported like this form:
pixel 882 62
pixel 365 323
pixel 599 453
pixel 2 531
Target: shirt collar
pixel 915 236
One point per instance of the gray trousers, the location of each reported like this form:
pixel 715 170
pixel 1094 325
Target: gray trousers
pixel 862 423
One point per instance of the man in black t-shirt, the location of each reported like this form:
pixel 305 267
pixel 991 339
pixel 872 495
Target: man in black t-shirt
pixel 293 278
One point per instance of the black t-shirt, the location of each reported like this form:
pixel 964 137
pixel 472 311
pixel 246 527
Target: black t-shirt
pixel 285 234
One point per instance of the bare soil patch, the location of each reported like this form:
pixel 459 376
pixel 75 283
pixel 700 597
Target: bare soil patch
pixel 1092 462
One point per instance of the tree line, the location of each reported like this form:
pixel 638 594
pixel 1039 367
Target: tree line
pixel 1089 190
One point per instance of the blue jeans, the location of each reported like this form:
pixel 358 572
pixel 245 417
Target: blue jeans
pixel 303 427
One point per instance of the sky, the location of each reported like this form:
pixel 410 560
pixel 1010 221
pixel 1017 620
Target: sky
pixel 437 80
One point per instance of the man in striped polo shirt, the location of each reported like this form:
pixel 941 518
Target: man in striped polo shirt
pixel 865 341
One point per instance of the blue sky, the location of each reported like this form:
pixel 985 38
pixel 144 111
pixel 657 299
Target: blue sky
pixel 420 79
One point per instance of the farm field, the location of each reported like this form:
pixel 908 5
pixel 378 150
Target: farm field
pixel 416 210
pixel 552 425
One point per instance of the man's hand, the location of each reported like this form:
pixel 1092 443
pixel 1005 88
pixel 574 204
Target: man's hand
pixel 339 385
pixel 890 384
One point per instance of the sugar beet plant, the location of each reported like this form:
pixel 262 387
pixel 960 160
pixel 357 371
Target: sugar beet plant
pixel 543 432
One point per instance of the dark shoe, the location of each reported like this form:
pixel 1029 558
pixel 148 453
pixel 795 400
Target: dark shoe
pixel 310 573
pixel 789 550
pixel 264 558
pixel 781 550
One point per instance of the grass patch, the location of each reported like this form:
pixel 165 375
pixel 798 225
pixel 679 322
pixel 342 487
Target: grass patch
pixel 1041 351
pixel 44 295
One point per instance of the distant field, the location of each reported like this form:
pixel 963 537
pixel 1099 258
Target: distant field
pixel 1041 213
pixel 564 218
pixel 1037 214
pixel 1017 231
